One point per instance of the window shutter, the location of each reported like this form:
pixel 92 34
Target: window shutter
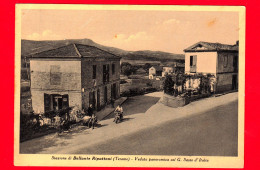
pixel 194 60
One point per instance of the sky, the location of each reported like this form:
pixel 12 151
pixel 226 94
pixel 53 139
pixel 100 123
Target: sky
pixel 169 31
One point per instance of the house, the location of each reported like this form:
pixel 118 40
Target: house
pixel 219 60
pixel 173 69
pixel 74 75
pixel 155 71
pixel 167 70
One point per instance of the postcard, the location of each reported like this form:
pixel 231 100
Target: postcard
pixel 129 86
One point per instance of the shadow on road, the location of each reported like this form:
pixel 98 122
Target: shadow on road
pixel 136 105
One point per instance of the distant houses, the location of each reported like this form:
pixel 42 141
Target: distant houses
pixel 155 71
pixel 219 60
pixel 73 75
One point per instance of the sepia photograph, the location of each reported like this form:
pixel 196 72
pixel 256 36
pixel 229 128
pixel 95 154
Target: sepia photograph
pixel 129 85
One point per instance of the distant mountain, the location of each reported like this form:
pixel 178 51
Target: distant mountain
pixel 30 47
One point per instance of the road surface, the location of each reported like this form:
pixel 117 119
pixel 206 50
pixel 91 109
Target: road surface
pixel 137 104
pixel 213 133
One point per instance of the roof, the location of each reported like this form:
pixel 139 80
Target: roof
pixel 207 46
pixel 74 51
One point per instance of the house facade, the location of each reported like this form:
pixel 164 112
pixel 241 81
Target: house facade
pixel 74 75
pixel 167 70
pixel 219 60
pixel 174 69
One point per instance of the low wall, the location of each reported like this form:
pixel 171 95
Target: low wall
pixel 172 101
pixel 178 101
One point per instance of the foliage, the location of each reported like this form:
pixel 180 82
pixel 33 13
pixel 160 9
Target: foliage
pixel 127 70
pixel 147 66
pixel 168 85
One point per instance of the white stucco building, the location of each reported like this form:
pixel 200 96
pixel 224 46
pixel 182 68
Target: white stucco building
pixel 217 59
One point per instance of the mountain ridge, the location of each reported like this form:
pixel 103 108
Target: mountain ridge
pixel 31 46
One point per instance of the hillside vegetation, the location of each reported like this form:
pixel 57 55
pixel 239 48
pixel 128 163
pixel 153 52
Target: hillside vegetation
pixel 31 47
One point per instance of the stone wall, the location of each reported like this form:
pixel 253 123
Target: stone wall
pixel 225 62
pixel 69 75
pixel 174 102
pixel 66 79
pixel 87 71
pixel 93 85
pixel 224 82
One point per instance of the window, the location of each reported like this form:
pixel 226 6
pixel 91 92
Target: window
pixel 225 62
pixel 113 69
pixel 191 60
pixel 105 73
pixel 55 75
pixel 94 75
pixel 193 64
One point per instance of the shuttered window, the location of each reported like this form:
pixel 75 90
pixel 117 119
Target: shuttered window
pixel 94 75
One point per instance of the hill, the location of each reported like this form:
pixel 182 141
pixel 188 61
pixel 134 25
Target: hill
pixel 30 47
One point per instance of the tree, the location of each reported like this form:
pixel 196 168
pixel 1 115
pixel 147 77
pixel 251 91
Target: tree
pixel 147 66
pixel 126 70
pixel 125 64
pixel 168 85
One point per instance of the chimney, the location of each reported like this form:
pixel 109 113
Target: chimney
pixel 237 43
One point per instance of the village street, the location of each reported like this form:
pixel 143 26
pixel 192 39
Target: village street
pixel 204 127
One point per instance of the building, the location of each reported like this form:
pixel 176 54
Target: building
pixel 155 71
pixel 173 69
pixel 217 59
pixel 74 75
pixel 167 70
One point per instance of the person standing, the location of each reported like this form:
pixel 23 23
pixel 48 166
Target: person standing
pixel 90 110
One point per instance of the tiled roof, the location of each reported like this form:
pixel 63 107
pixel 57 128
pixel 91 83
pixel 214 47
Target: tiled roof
pixel 207 46
pixel 74 51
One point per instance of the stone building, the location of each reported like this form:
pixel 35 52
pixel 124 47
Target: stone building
pixel 74 75
pixel 217 59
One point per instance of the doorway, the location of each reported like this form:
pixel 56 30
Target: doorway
pixel 113 91
pixel 234 82
pixel 92 99
pixel 105 95
pixel 98 99
pixel 55 102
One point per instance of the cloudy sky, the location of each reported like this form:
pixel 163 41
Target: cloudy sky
pixel 169 31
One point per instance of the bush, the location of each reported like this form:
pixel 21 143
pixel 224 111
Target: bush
pixel 168 85
pixel 123 81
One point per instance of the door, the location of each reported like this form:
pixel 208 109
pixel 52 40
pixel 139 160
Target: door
pixel 98 99
pixel 105 95
pixel 235 64
pixel 114 91
pixel 92 99
pixel 47 102
pixel 234 82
